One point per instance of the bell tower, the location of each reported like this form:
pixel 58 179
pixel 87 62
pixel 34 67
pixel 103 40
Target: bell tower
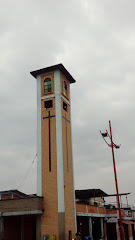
pixel 54 151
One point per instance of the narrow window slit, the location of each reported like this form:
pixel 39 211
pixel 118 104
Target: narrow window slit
pixel 65 106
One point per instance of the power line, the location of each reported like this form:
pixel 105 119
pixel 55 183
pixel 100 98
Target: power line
pixel 27 172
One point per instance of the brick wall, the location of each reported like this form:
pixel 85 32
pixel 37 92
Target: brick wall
pixel 6 196
pixel 21 204
pixel 49 179
pixel 111 211
pixel 89 209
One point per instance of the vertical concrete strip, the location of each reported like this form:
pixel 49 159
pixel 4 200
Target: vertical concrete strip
pixel 130 232
pixel 38 227
pixel 102 227
pixel 72 163
pixel 117 231
pixel 22 227
pixel 39 144
pixel 90 227
pixel 105 231
pixel 1 228
pixel 60 177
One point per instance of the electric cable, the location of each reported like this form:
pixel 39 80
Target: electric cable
pixel 27 172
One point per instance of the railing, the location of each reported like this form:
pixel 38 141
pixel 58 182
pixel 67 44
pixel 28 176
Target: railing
pixel 122 205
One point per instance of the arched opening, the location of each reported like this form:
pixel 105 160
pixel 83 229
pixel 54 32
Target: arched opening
pixel 47 85
pixel 65 88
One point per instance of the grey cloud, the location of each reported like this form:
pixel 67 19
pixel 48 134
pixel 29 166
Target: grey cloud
pixel 95 40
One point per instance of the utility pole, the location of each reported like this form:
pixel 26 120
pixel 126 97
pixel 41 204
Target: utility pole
pixel 112 145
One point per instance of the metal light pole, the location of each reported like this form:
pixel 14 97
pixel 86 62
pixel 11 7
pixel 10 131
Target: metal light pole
pixel 115 175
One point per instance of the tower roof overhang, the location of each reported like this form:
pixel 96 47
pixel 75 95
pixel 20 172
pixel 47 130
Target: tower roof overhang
pixel 60 67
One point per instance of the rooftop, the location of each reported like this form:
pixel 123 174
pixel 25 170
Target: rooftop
pixel 60 67
pixel 89 193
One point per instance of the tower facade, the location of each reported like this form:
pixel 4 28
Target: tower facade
pixel 54 151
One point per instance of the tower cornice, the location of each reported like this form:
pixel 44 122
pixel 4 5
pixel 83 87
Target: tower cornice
pixel 60 67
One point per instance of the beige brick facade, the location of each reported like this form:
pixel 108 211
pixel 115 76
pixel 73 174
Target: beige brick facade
pixel 49 178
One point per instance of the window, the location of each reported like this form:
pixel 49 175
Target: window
pixel 65 88
pixel 48 104
pixel 65 106
pixel 47 85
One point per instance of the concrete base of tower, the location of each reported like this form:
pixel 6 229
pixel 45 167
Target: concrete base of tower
pixel 61 219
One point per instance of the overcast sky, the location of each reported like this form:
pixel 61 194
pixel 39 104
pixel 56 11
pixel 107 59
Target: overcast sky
pixel 95 41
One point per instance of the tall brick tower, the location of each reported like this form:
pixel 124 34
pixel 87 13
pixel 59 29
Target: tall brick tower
pixel 54 151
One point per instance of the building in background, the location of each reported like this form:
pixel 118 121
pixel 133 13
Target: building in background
pixel 99 219
pixel 20 213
